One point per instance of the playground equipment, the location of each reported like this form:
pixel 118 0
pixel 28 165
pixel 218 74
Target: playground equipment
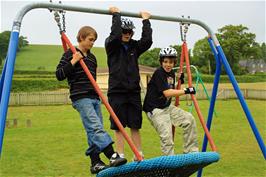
pixel 185 57
pixel 198 81
pixel 188 163
pixel 182 165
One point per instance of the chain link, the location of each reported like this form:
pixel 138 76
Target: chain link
pixel 63 20
pixel 57 19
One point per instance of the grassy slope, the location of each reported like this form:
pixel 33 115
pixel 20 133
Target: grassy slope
pixel 55 144
pixel 46 57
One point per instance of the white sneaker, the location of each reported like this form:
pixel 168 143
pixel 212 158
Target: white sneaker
pixel 135 158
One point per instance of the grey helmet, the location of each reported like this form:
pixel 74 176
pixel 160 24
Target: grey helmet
pixel 168 52
pixel 127 24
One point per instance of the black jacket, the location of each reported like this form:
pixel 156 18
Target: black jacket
pixel 160 81
pixel 80 85
pixel 123 58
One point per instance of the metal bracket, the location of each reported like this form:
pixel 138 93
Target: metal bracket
pixel 184 29
pixel 57 12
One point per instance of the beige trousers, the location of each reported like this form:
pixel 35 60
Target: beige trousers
pixel 163 119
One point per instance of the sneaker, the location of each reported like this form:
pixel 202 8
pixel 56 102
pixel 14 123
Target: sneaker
pixel 99 166
pixel 134 159
pixel 121 155
pixel 116 160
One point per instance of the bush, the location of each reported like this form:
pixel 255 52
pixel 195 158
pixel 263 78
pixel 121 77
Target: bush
pixel 37 85
pixel 240 79
pixel 29 81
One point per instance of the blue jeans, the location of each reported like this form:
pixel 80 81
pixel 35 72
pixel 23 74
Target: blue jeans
pixel 91 116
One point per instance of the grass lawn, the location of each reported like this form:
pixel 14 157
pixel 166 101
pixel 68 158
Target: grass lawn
pixel 55 143
pixel 46 57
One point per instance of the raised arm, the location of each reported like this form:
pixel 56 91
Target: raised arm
pixel 146 37
pixel 116 32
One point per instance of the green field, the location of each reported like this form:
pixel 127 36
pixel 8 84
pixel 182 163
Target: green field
pixel 55 143
pixel 46 57
pixel 36 64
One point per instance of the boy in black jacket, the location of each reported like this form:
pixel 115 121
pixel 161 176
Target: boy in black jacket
pixel 161 114
pixel 123 86
pixel 86 101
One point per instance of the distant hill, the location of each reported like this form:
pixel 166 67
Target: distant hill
pixel 46 57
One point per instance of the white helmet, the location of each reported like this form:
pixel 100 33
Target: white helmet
pixel 127 24
pixel 168 52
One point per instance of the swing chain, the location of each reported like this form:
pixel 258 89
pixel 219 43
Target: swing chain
pixel 184 29
pixel 57 19
pixel 64 20
pixel 57 12
pixel 63 13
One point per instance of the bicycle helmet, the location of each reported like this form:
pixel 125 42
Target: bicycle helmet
pixel 127 24
pixel 168 52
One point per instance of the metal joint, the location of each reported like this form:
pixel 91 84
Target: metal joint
pixel 16 26
pixel 184 29
pixel 57 12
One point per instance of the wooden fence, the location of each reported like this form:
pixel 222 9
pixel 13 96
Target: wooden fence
pixel 62 97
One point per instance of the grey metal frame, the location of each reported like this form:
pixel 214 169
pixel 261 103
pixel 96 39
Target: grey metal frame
pixel 27 8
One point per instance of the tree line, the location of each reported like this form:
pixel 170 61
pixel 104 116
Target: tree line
pixel 237 43
pixel 4 42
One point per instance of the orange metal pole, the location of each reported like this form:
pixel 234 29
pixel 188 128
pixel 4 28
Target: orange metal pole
pixel 104 100
pixel 64 44
pixel 178 85
pixel 195 100
pixel 180 71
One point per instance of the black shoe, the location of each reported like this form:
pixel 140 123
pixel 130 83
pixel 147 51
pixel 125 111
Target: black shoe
pixel 116 160
pixel 99 166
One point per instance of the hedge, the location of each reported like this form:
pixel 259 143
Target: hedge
pixel 46 83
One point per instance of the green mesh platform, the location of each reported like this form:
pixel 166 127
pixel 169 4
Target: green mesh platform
pixel 164 166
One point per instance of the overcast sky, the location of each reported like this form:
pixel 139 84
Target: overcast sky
pixel 40 28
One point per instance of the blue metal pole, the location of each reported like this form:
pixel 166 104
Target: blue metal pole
pixel 242 101
pixel 213 97
pixel 11 55
pixel 2 79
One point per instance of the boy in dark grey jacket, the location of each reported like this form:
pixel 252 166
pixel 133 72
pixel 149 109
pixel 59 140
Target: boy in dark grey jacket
pixel 123 87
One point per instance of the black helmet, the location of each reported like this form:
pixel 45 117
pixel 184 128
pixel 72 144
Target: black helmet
pixel 127 24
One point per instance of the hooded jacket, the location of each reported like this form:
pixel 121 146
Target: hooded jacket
pixel 122 57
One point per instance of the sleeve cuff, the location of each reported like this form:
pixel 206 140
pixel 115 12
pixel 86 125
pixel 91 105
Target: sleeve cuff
pixel 116 14
pixel 147 21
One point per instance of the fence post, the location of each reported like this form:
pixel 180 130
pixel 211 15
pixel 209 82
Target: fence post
pixel 7 124
pixel 66 96
pixel 15 123
pixel 28 123
pixel 224 93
